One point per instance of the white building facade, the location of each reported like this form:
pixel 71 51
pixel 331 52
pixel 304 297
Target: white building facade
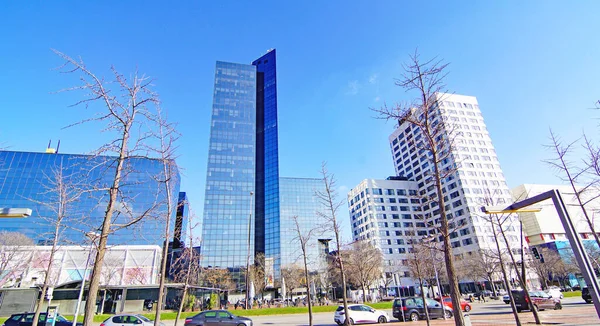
pixel 474 179
pixel 383 213
pixel 544 226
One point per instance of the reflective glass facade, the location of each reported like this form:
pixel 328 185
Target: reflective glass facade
pixel 26 181
pixel 231 167
pixel 298 198
pixel 267 158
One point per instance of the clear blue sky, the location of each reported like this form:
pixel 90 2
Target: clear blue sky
pixel 531 64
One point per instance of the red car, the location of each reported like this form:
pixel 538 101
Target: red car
pixel 465 306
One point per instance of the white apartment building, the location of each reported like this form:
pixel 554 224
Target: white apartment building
pixel 544 227
pixel 476 180
pixel 383 212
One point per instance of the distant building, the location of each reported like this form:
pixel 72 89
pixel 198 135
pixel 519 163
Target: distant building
pixel 475 179
pixel 545 226
pixel 28 179
pixel 544 229
pixel 384 213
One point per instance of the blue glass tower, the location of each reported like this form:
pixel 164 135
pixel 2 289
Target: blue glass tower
pixel 27 180
pixel 231 168
pixel 243 160
pixel 266 223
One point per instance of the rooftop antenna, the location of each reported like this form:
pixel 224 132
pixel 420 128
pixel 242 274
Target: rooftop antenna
pixel 50 150
pixel 57 146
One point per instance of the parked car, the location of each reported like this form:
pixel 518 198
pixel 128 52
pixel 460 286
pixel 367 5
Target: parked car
pixel 217 318
pixel 541 300
pixel 26 319
pixel 412 308
pixel 554 291
pixel 360 313
pixel 447 301
pixel 128 319
pixel 585 295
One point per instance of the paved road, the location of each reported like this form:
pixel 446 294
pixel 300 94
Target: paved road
pixel 574 312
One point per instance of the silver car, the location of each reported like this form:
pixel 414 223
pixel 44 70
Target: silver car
pixel 217 318
pixel 128 320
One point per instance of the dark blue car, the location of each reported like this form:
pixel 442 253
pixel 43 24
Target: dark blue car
pixel 26 319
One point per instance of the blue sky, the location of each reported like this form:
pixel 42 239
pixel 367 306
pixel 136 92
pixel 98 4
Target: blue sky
pixel 532 65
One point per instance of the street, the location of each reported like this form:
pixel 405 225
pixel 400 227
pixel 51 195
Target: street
pixel 496 312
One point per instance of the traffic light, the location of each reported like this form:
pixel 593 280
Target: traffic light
pixel 535 253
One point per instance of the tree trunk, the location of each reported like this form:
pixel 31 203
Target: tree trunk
pixel 38 308
pixel 185 288
pixel 425 302
pixel 448 255
pixel 506 282
pixel 308 297
pixel 90 304
pixel 521 280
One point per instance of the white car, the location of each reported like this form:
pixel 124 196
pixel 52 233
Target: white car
pixel 555 292
pixel 128 320
pixel 360 313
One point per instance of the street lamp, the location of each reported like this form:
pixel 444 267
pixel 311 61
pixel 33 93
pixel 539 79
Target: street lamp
pixel 15 212
pixel 92 236
pixel 579 252
pixel 431 239
pixel 248 256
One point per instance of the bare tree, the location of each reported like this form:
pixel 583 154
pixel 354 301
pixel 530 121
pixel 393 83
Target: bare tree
pixel 13 256
pixel 167 137
pixel 328 199
pixel 364 265
pixel 125 110
pixel 417 264
pixel 550 266
pixel 293 276
pixel 187 265
pixel 60 194
pixel 573 174
pixel 303 237
pixel 257 273
pixel 438 134
pixel 484 264
pixel 217 278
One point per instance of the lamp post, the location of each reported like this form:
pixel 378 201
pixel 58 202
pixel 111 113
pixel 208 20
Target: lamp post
pixel 430 239
pixel 92 236
pixel 579 252
pixel 15 212
pixel 248 255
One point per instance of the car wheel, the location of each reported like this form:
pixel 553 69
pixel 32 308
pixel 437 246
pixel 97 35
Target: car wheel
pixel 447 314
pixel 467 308
pixel 535 307
pixel 351 321
pixel 519 310
pixel 241 325
pixel 588 301
pixel 557 306
pixel 381 320
pixel 414 316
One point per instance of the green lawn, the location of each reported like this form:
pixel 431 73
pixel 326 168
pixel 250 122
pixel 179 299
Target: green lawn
pixel 572 294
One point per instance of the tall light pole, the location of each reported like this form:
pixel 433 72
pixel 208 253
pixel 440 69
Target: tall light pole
pixel 248 256
pixel 92 236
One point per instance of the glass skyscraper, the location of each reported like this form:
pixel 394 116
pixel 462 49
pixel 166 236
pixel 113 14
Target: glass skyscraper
pixel 27 180
pixel 242 182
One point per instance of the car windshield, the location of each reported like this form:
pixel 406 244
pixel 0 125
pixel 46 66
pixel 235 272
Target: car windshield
pixel 340 308
pixel 143 318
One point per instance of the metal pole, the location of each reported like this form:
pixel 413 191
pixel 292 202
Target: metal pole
pixel 523 275
pixel 87 262
pixel 248 256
